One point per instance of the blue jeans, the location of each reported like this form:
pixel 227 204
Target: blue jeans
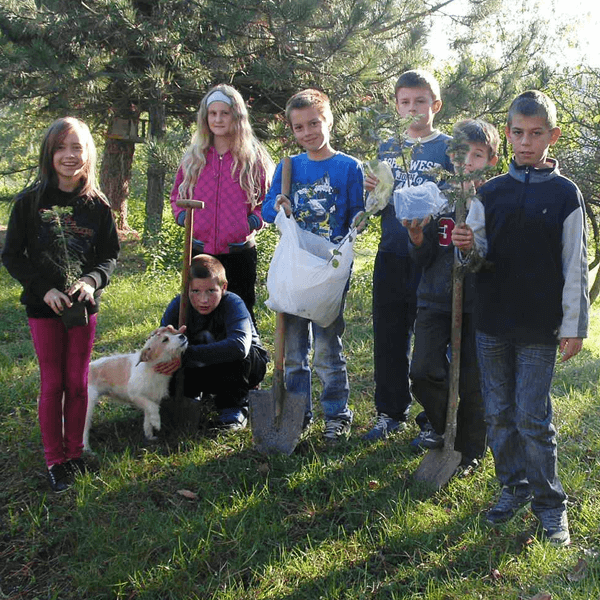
pixel 328 362
pixel 515 380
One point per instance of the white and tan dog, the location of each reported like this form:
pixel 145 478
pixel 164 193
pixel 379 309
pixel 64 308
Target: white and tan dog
pixel 132 379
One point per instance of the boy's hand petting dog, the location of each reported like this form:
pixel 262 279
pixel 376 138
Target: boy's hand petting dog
pixel 415 229
pixel 168 368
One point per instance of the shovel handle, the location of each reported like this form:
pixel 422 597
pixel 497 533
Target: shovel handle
pixel 455 338
pixel 189 206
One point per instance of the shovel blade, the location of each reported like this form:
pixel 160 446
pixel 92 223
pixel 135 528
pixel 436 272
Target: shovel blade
pixel 437 467
pixel 274 433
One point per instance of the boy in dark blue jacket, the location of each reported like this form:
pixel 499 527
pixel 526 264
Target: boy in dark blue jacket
pixel 224 356
pixel 432 250
pixel 530 225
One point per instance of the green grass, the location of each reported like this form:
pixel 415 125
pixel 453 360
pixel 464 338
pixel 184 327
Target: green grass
pixel 344 522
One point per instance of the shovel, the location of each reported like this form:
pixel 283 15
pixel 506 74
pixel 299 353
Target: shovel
pixel 276 417
pixel 185 413
pixel 438 465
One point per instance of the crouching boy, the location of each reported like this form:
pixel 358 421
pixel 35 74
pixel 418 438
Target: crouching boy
pixel 432 250
pixel 530 226
pixel 224 357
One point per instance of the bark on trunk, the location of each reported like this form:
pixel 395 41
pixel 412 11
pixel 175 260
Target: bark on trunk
pixel 115 176
pixel 156 172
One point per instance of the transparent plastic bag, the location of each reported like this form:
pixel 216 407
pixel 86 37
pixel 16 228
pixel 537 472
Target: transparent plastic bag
pixel 418 201
pixel 305 277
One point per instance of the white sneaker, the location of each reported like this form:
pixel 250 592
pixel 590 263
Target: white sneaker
pixel 336 429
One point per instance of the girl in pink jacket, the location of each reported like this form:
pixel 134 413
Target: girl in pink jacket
pixel 227 168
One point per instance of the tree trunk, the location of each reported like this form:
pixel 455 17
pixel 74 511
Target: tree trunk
pixel 115 176
pixel 155 195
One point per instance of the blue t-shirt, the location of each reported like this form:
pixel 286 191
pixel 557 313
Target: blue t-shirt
pixel 431 154
pixel 325 194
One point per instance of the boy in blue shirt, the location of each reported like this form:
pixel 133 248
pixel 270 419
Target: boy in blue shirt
pixel 395 275
pixel 432 250
pixel 326 196
pixel 530 225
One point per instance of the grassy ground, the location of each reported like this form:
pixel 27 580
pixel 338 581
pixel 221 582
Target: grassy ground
pixel 343 522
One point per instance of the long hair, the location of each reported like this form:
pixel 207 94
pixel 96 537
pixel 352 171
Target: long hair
pixel 46 176
pixel 251 161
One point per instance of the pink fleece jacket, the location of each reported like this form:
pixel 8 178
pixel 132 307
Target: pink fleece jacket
pixel 226 219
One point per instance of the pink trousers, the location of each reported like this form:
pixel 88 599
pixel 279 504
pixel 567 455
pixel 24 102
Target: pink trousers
pixel 64 358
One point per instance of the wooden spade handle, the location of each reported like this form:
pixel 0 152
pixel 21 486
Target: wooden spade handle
pixel 190 204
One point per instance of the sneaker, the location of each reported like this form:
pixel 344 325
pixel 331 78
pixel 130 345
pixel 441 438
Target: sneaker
pixel 467 467
pixel 336 429
pixel 556 525
pixel 59 479
pixel 76 466
pixel 427 439
pixel 510 501
pixel 307 422
pixel 384 425
pixel 232 419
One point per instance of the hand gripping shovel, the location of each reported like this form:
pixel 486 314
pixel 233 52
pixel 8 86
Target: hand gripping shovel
pixel 438 466
pixel 185 411
pixel 277 416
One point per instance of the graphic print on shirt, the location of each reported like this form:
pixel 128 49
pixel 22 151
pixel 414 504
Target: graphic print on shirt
pixel 445 228
pixel 314 205
pixel 418 172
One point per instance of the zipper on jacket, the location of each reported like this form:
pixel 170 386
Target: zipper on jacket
pixel 217 200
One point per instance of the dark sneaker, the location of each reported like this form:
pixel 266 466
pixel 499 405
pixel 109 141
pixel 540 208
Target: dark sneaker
pixel 76 466
pixel 59 478
pixel 427 439
pixel 467 467
pixel 307 422
pixel 384 425
pixel 336 429
pixel 232 419
pixel 511 500
pixel 556 525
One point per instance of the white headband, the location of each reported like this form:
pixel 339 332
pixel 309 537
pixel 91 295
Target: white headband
pixel 218 96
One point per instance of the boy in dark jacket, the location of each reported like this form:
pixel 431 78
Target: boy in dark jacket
pixel 432 250
pixel 530 225
pixel 224 357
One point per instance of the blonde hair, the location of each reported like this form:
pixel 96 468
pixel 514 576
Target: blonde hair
pixel 251 161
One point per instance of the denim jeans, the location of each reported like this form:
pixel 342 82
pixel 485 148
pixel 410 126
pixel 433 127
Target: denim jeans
pixel 516 381
pixel 328 362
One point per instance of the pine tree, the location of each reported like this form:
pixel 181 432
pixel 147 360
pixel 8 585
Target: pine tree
pixel 111 61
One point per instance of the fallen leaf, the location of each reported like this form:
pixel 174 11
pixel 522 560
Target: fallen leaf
pixel 187 494
pixel 373 484
pixel 542 596
pixel 579 571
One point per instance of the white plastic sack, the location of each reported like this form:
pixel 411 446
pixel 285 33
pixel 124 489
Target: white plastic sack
pixel 418 201
pixel 303 279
